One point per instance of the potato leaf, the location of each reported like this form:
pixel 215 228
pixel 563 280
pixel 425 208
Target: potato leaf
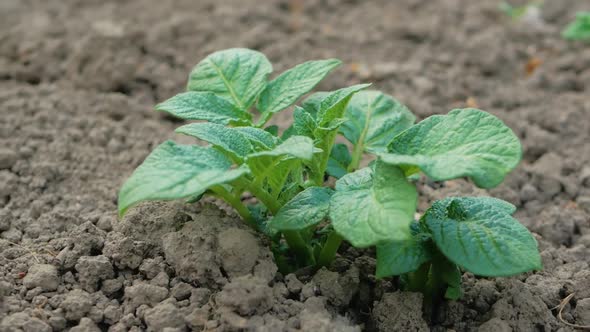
pixel 312 103
pixel 328 118
pixel 175 171
pixel 492 202
pixel 273 129
pixel 259 137
pixel 225 138
pixel 271 168
pixel 465 142
pixel 295 146
pixel 339 160
pixel 374 119
pixel 399 257
pixel 373 207
pixel 333 104
pixel 284 90
pixel 479 235
pixel 238 75
pixel 579 29
pixel 200 105
pixel 303 123
pixel 237 141
pixel 307 208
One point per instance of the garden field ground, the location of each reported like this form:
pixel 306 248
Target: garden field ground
pixel 78 81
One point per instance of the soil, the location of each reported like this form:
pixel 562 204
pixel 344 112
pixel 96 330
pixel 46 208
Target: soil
pixel 78 80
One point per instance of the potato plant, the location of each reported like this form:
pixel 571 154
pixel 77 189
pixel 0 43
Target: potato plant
pixel 579 29
pixel 517 12
pixel 374 206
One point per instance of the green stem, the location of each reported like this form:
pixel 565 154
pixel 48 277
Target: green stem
pixel 321 161
pixel 329 249
pixel 417 280
pixel 271 204
pixel 444 276
pixel 282 263
pixel 262 195
pixel 317 178
pixel 429 280
pixel 235 201
pixel 359 148
pixel 302 251
pixel 357 155
pixel 433 292
pixel 294 240
pixel 264 117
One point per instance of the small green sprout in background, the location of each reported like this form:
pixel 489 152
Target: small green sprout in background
pixel 373 206
pixel 579 29
pixel 517 12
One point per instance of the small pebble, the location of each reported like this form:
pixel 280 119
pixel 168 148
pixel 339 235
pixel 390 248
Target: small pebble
pixel 7 158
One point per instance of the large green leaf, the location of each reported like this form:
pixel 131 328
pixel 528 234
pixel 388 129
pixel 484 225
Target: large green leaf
pixel 239 75
pixel 300 147
pixel 284 90
pixel 307 208
pixel 175 171
pixel 374 119
pixel 334 103
pixel 225 138
pixel 399 257
pixel 465 142
pixel 328 118
pixel 201 105
pixel 396 258
pixel 303 123
pixel 481 236
pixel 271 168
pixel 339 160
pixel 312 103
pixel 259 137
pixel 373 207
pixel 491 202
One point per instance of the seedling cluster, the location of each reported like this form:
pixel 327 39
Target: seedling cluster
pixel 517 12
pixel 372 206
pixel 579 29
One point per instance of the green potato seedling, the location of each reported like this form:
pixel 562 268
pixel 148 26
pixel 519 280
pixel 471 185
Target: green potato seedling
pixel 579 29
pixel 372 206
pixel 517 12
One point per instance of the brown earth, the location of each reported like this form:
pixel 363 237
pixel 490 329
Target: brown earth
pixel 77 83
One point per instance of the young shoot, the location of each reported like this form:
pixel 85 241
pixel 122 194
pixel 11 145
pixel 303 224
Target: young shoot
pixel 579 29
pixel 230 94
